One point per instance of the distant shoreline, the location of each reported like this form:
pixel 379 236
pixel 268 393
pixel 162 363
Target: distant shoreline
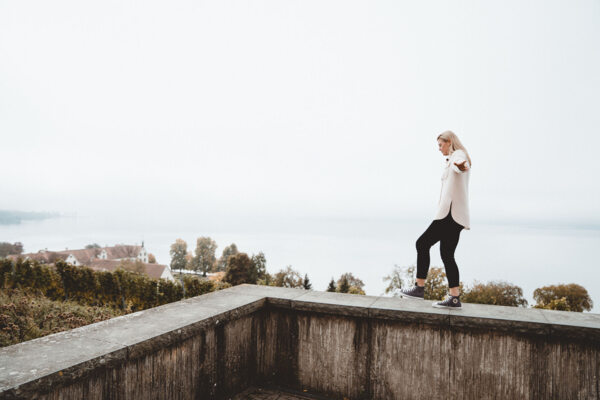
pixel 8 217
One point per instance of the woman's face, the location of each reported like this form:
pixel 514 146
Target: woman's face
pixel 444 146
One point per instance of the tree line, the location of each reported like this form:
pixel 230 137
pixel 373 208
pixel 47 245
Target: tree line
pixel 241 268
pixel 238 267
pixel 39 299
pixel 7 248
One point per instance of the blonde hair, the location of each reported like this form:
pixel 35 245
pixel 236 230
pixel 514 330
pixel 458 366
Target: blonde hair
pixel 455 143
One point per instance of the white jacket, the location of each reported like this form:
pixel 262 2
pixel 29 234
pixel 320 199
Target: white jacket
pixel 455 190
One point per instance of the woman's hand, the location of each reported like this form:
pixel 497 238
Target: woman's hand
pixel 462 165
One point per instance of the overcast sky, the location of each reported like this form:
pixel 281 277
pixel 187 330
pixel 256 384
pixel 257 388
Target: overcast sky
pixel 326 108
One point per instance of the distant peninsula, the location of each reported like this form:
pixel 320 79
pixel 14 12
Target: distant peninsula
pixel 8 217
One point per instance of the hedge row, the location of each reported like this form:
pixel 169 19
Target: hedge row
pixel 26 314
pixel 125 290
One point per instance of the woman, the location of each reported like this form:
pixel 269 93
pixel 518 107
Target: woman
pixel 451 218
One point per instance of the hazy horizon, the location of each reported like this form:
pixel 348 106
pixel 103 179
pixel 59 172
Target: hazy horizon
pixel 325 109
pixel 529 257
pixel 233 219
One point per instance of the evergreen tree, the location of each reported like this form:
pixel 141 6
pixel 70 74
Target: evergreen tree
pixel 344 285
pixel 306 283
pixel 331 287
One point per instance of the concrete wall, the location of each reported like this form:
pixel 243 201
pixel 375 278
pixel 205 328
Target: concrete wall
pixel 338 345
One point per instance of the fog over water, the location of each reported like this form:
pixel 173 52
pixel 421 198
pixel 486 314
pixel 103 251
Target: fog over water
pixel 529 257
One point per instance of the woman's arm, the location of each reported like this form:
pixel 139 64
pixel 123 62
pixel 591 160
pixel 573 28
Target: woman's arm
pixel 460 164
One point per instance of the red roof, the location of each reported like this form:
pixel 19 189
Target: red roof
pixel 84 256
pixel 122 251
pixel 154 271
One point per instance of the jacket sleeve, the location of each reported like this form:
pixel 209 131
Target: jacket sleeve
pixel 460 157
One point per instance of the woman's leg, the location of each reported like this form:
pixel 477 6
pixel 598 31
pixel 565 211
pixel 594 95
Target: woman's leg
pixel 448 243
pixel 430 237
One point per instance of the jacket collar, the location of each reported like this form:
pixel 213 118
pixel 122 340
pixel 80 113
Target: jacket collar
pixel 449 156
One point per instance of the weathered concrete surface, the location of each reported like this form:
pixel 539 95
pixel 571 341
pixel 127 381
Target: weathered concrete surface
pixel 339 345
pixel 128 356
pixel 335 303
pixel 260 393
pixel 333 354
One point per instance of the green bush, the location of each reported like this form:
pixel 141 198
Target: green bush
pixel 240 269
pixel 109 292
pixel 79 283
pixel 25 316
pixel 196 287
pixel 565 297
pixel 497 293
pixel 6 270
pixel 65 296
pixel 126 290
pixel 169 292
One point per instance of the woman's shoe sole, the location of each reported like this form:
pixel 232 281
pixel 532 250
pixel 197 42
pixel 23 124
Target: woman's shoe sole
pixel 452 308
pixel 412 297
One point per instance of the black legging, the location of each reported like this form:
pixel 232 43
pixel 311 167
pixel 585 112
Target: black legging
pixel 447 231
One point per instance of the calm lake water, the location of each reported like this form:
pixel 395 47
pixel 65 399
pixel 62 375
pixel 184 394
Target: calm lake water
pixel 530 257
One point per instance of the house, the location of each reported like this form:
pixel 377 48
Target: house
pixel 154 271
pixel 124 252
pixel 103 259
pixel 80 257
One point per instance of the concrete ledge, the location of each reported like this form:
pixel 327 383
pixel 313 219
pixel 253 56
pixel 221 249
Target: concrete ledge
pixel 41 365
pixel 334 303
pixel 472 316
